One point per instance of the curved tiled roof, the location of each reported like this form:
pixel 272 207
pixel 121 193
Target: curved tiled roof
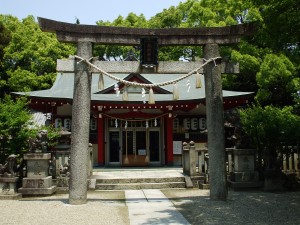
pixel 63 89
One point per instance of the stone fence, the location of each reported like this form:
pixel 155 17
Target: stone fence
pixel 240 164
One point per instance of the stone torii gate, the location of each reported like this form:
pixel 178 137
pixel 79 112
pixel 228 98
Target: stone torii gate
pixel 209 38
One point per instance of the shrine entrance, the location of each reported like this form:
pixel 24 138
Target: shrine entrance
pixel 134 143
pixel 208 37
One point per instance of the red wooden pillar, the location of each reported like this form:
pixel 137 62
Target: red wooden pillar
pixel 169 139
pixel 101 151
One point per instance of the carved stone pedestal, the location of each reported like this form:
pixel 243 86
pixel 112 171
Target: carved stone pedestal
pixel 8 188
pixel 38 181
pixel 244 175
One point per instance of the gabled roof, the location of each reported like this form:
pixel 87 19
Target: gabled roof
pixel 137 78
pixel 62 89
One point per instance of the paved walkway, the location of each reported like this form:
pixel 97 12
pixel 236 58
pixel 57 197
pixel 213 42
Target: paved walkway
pixel 151 206
pixel 147 206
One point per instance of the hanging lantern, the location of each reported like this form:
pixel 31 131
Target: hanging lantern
pixel 151 97
pixel 198 80
pixel 175 92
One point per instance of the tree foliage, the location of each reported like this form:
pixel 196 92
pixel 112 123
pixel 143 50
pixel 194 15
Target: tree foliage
pixel 30 57
pixel 276 81
pixel 271 129
pixel 281 23
pixel 4 41
pixel 14 121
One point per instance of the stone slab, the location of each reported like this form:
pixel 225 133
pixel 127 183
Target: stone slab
pixel 37 191
pixel 8 179
pixel 152 207
pixel 37 156
pixel 188 182
pixel 243 163
pixel 37 168
pixel 246 176
pixel 203 186
pixel 8 188
pixel 243 185
pixel 15 196
pixel 37 182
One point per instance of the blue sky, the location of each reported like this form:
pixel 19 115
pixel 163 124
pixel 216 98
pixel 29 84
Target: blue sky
pixel 87 11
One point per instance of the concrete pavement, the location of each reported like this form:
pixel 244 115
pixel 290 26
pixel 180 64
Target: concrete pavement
pixel 151 206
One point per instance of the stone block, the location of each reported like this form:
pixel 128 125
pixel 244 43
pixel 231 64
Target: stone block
pixel 37 191
pixel 37 168
pixel 8 185
pixel 203 186
pixel 246 176
pixel 243 160
pixel 37 182
pixel 245 185
pixel 37 156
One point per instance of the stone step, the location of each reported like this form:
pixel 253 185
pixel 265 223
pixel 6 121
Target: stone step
pixel 139 180
pixel 137 186
pixel 139 183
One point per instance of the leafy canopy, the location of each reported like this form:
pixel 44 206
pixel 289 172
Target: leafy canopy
pixel 30 57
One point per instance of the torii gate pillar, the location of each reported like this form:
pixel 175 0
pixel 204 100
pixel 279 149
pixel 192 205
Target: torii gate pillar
pixel 215 125
pixel 80 127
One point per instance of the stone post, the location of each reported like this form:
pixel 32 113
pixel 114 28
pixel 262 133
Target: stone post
pixel 80 127
pixel 215 125
pixel 192 160
pixel 185 157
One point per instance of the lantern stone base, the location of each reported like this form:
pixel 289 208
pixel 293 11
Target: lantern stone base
pixel 38 181
pixel 203 186
pixel 8 188
pixel 244 174
pixel 37 186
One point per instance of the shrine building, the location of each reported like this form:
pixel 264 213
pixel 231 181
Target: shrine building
pixel 129 126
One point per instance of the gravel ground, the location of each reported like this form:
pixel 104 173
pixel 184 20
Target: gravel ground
pixel 241 208
pixel 103 208
pixel 109 208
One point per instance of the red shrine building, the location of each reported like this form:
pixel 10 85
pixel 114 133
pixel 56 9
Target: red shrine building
pixel 128 129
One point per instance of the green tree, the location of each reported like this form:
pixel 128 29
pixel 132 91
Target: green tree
pixel 281 23
pixel 16 127
pixel 114 52
pixel 271 129
pixel 276 79
pixel 14 121
pixel 4 41
pixel 30 58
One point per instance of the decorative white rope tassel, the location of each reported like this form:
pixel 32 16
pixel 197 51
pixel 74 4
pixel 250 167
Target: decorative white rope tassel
pixel 151 97
pixel 175 92
pixel 101 82
pixel 125 94
pixel 198 80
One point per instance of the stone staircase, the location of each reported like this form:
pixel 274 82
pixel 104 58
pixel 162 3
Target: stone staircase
pixel 140 183
pixel 137 179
